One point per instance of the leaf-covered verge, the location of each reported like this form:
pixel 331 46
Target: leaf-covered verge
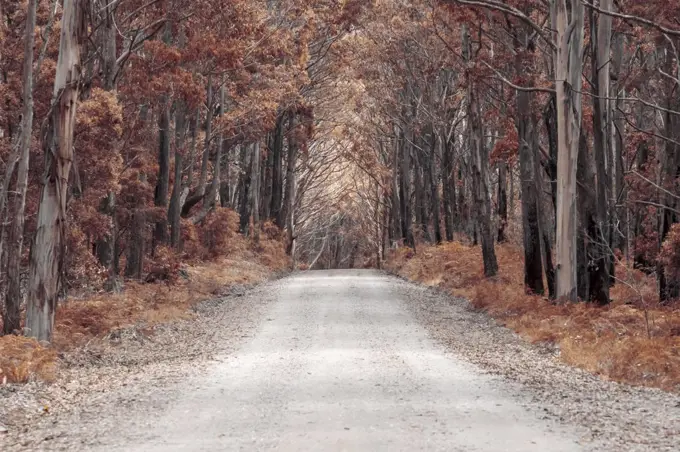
pixel 98 316
pixel 634 340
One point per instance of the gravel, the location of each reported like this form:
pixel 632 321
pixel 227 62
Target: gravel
pixel 132 367
pixel 609 416
pixel 137 377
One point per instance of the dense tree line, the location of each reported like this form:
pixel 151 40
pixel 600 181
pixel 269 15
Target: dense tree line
pixel 565 110
pixel 128 129
pixel 127 126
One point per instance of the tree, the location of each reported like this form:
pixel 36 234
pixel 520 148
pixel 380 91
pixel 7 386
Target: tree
pixel 47 254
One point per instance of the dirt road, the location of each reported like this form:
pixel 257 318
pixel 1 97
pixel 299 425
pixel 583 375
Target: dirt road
pixel 348 361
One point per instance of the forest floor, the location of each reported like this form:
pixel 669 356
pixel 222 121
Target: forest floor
pixel 340 360
pixel 634 340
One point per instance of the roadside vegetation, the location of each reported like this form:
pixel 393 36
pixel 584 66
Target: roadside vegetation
pixel 632 340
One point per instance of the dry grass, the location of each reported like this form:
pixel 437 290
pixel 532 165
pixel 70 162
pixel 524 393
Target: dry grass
pixel 22 359
pixel 630 341
pixel 93 316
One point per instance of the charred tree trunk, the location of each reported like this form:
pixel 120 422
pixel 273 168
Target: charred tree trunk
pixel 47 253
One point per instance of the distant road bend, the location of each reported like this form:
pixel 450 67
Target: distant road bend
pixel 339 364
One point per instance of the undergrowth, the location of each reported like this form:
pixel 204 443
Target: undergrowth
pixel 217 258
pixel 634 340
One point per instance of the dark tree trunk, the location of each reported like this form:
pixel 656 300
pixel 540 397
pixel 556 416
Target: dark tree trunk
pixel 448 189
pixel 289 201
pixel 405 193
pixel 533 265
pixel 174 209
pixel 479 168
pixel 163 183
pixel 502 200
pixel 395 220
pixel 669 287
pixel 601 251
pixel 435 201
pixel 277 172
pixel 244 189
pixel 135 249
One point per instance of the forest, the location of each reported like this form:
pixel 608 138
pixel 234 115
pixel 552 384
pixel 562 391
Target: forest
pixel 524 154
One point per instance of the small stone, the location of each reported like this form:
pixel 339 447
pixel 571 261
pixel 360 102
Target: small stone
pixel 3 429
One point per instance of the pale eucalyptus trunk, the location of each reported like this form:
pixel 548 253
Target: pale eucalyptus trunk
pixel 47 254
pixel 568 67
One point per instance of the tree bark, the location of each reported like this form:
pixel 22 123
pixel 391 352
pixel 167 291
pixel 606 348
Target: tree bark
pixel 47 254
pixel 533 265
pixel 163 183
pixel 601 254
pixel 568 66
pixel 405 192
pixel 448 189
pixel 289 202
pixel 135 251
pixel 255 192
pixel 434 191
pixel 174 210
pixel 11 314
pixel 479 168
pixel 502 200
pixel 277 172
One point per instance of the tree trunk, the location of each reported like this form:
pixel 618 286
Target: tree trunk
pixel 255 192
pixel 47 253
pixel 533 265
pixel 163 183
pixel 405 192
pixel 208 139
pixel 448 189
pixel 289 204
pixel 394 195
pixel 568 65
pixel 434 191
pixel 175 207
pixel 277 173
pixel 479 168
pixel 502 200
pixel 210 200
pixel 244 189
pixel 11 314
pixel 601 254
pixel 135 251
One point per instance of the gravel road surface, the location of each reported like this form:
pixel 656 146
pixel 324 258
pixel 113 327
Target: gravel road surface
pixel 356 361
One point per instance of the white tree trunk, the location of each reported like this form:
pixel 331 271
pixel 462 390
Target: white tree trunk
pixel 47 254
pixel 568 65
